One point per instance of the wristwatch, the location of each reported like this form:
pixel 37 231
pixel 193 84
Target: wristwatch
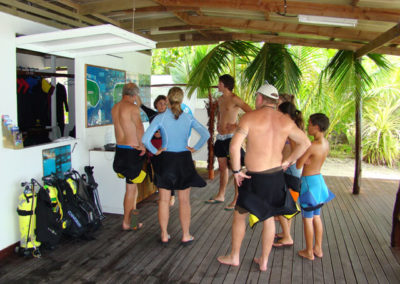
pixel 236 172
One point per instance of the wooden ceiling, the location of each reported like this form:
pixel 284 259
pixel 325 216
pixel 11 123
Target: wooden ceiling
pixel 188 22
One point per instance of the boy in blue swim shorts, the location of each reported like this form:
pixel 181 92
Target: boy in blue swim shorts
pixel 314 192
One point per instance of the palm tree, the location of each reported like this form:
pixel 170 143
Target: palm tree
pixel 272 62
pixel 349 78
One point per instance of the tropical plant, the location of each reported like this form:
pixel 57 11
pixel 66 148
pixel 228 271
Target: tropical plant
pixel 381 133
pixel 218 61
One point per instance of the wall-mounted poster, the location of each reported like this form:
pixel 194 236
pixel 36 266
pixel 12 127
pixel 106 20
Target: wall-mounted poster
pixel 56 160
pixel 103 90
pixel 143 82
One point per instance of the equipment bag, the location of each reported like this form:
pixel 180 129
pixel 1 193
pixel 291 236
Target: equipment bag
pixel 91 187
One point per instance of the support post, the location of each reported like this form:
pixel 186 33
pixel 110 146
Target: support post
pixel 357 173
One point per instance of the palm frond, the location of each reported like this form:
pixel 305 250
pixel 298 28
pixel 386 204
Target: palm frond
pixel 206 72
pixel 274 64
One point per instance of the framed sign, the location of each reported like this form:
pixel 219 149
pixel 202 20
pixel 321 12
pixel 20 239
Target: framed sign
pixel 143 82
pixel 56 160
pixel 103 90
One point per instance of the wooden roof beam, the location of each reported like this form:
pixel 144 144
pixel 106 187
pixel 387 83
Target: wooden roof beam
pixel 381 40
pixel 40 13
pixel 153 23
pixel 196 39
pixel 280 27
pixel 111 5
pixel 294 8
pixel 64 12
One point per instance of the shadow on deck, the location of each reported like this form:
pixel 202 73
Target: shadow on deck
pixel 356 246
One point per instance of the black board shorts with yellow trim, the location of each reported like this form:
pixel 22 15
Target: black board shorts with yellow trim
pixel 128 164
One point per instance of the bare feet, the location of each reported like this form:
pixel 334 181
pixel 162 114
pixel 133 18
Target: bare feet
pixel 279 235
pixel 129 228
pixel 228 260
pixel 306 254
pixel 230 207
pixel 261 263
pixel 318 253
pixel 283 243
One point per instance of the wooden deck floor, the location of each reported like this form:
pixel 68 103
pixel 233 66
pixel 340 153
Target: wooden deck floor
pixel 356 247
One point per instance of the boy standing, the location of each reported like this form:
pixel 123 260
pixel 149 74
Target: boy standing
pixel 314 192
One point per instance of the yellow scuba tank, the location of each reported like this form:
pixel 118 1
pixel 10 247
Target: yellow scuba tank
pixel 27 221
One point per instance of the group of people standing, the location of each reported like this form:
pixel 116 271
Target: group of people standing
pixel 276 150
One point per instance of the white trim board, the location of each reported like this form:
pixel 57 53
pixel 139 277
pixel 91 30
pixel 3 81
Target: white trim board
pixel 87 41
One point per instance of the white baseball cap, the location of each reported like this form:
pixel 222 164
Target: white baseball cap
pixel 269 91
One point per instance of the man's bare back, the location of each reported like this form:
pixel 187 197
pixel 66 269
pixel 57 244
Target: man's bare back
pixel 127 123
pixel 267 131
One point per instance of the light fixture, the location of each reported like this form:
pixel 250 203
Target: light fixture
pixel 332 21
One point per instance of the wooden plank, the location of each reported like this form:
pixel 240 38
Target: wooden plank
pixel 65 12
pixel 250 252
pixel 342 242
pixel 381 40
pixel 282 27
pixel 43 13
pixel 356 235
pixel 110 5
pixel 376 235
pixel 298 244
pixel 294 8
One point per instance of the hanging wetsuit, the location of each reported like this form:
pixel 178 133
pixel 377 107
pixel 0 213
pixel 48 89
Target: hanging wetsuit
pixel 61 99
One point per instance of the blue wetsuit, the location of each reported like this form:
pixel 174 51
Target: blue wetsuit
pixel 175 133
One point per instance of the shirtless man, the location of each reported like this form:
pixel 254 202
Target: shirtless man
pixel 262 188
pixel 129 152
pixel 229 105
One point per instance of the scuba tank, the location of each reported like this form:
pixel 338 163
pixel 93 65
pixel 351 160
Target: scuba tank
pixel 27 221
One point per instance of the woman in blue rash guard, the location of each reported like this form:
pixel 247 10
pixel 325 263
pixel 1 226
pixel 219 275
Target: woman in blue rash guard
pixel 174 168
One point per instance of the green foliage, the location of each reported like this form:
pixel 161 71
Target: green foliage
pixel 341 151
pixel 381 129
pixel 273 64
pixel 217 62
pixel 322 80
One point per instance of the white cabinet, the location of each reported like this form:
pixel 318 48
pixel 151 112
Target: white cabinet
pixel 111 188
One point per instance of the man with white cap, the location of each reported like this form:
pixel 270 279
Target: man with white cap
pixel 262 190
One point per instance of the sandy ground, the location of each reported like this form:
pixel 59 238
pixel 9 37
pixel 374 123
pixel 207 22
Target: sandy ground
pixel 345 167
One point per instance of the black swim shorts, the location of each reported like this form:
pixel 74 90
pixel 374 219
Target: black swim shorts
pixel 128 163
pixel 265 195
pixel 221 150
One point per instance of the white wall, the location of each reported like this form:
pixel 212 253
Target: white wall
pixel 20 165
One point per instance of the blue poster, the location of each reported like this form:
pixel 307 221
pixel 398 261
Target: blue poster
pixel 103 89
pixel 57 160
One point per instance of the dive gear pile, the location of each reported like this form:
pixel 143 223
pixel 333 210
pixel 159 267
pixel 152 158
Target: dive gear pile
pixel 67 207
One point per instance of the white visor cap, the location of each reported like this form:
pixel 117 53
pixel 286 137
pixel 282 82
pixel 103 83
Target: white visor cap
pixel 269 91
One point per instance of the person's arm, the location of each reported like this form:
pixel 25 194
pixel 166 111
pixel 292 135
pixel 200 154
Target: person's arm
pixel 303 159
pixel 148 135
pixel 203 132
pixel 139 128
pixel 234 150
pixel 240 103
pixel 302 143
pixel 149 112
